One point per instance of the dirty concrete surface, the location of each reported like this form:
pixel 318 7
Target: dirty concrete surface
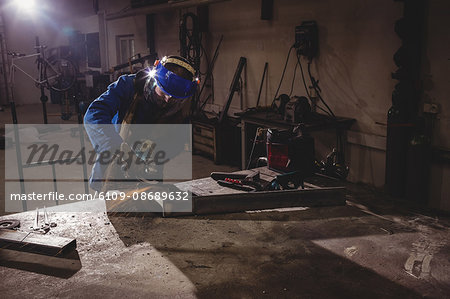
pixel 371 247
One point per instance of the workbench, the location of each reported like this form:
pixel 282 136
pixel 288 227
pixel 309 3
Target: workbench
pixel 208 197
pixel 270 119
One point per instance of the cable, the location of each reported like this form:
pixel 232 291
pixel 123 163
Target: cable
pixel 208 62
pixel 303 76
pixel 190 48
pixel 262 82
pixel 205 76
pixel 209 74
pixel 282 75
pixel 314 85
pixel 306 88
pixel 205 101
pixel 293 79
pixel 190 40
pixel 316 88
pixel 258 132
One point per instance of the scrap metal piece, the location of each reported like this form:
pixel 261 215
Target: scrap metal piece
pixel 44 229
pixel 241 181
pixel 36 220
pixel 36 243
pixel 46 221
pixel 9 224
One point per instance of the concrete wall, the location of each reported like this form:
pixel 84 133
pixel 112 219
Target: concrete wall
pixel 136 26
pixel 126 26
pixel 357 43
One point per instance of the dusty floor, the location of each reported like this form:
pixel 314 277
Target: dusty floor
pixel 362 249
pixel 373 247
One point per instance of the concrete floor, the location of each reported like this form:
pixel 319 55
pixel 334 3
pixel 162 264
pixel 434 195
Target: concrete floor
pixel 373 247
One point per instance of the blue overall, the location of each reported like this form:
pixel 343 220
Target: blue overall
pixel 105 114
pixel 109 108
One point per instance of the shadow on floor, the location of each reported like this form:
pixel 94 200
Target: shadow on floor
pixel 274 255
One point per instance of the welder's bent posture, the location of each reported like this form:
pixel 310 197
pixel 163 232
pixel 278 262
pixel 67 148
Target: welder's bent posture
pixel 152 96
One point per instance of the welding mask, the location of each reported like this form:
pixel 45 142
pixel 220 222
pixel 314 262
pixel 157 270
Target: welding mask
pixel 171 83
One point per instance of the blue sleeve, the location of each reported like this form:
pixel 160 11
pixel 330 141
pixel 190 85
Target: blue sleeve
pixel 103 109
pixel 102 113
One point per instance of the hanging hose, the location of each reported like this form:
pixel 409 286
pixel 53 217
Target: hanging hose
pixel 190 48
pixel 190 40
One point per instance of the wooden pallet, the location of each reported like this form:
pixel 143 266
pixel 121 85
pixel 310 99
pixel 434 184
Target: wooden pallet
pixel 211 198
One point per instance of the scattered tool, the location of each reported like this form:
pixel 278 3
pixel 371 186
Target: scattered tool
pixel 36 220
pixel 9 224
pixel 236 184
pixel 44 228
pixel 47 219
pixel 252 182
pixel 287 181
pixel 245 182
pixel 233 88
pixel 46 222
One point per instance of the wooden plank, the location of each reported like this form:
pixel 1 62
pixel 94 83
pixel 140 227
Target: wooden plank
pixel 229 203
pixel 247 201
pixel 35 242
pixel 209 197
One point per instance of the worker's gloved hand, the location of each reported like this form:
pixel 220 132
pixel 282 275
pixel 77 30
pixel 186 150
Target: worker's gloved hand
pixel 137 161
pixel 144 150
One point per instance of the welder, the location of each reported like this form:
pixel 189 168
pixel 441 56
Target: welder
pixel 157 95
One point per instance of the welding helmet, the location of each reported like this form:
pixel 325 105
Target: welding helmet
pixel 175 85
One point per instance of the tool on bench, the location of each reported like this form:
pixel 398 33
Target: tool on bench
pixel 9 224
pixel 47 219
pixel 252 182
pixel 286 181
pixel 245 182
pixel 44 228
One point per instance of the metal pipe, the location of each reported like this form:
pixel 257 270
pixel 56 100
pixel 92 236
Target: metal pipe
pixel 262 81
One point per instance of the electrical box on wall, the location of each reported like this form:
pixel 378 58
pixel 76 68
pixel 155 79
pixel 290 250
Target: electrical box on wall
pixel 307 39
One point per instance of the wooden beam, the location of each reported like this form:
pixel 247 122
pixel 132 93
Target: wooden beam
pixel 229 203
pixel 36 243
pixel 239 202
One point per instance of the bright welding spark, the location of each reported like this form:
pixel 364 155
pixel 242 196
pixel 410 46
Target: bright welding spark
pixel 152 73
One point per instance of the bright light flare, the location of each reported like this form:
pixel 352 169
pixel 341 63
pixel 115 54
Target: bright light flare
pixel 152 73
pixel 27 6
